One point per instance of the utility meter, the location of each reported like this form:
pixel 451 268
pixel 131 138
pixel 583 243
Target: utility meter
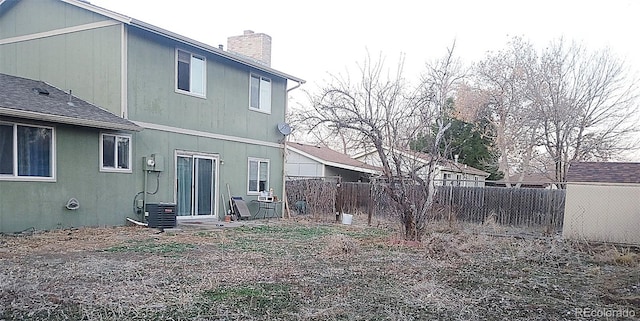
pixel 153 163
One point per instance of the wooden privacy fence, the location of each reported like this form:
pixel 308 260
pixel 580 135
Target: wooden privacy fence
pixel 530 207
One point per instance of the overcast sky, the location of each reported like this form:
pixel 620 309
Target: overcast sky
pixel 314 38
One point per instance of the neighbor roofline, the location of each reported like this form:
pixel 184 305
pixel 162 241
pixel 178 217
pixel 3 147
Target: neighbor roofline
pixel 66 120
pixel 417 157
pixel 174 36
pixel 333 164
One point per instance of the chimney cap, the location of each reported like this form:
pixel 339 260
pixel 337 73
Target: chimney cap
pixel 248 32
pixel 221 46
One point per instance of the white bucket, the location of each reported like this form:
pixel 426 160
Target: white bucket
pixel 346 219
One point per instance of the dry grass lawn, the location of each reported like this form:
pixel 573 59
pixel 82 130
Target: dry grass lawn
pixel 302 270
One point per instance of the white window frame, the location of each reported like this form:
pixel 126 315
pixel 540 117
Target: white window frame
pixel 259 160
pixel 115 155
pixel 261 92
pixel 52 159
pixel 204 75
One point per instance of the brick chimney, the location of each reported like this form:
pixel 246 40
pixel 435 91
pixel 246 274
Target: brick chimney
pixel 256 46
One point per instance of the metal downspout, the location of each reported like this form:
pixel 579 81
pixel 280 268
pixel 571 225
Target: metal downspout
pixel 284 158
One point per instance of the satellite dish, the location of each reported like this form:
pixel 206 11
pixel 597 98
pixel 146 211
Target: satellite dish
pixel 284 128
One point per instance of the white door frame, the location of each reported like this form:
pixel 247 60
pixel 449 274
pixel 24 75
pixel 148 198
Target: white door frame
pixel 214 197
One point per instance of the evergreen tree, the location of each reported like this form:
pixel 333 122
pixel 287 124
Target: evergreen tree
pixel 472 142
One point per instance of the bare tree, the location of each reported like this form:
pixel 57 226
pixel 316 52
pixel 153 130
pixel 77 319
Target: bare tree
pixel 563 105
pixel 502 78
pixel 585 102
pixel 382 109
pixel 328 135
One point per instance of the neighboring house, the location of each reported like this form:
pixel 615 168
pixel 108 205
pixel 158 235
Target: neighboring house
pixel 447 172
pixel 602 202
pixel 191 117
pixel 315 161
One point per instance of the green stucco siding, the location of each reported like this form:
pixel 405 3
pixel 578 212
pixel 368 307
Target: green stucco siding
pixel 225 110
pixel 105 198
pixel 89 63
pixel 152 98
pixel 85 62
pixel 33 16
pixel 233 171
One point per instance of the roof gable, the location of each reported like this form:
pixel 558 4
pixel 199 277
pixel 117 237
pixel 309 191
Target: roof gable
pixel 37 100
pixel 604 172
pixel 447 164
pixel 330 157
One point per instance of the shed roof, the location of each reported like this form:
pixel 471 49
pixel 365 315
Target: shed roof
pixel 330 157
pixel 604 172
pixel 37 100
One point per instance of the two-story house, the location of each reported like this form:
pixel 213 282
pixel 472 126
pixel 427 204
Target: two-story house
pixel 198 118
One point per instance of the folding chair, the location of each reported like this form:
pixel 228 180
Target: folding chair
pixel 240 208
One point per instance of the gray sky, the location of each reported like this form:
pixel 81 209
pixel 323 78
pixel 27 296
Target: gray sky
pixel 314 38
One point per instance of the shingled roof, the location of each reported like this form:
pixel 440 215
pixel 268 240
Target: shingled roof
pixel 330 157
pixel 32 99
pixel 447 165
pixel 604 172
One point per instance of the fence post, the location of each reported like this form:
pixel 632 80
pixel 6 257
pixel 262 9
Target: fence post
pixel 339 199
pixel 370 205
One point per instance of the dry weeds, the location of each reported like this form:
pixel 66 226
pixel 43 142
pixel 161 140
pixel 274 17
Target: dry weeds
pixel 302 270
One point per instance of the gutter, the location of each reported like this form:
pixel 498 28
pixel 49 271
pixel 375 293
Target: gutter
pixel 284 155
pixel 68 120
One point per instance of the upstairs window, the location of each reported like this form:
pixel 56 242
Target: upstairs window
pixel 26 151
pixel 115 153
pixel 190 73
pixel 260 94
pixel 258 175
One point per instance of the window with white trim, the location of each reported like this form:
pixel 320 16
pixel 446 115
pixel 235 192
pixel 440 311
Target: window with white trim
pixel 191 71
pixel 26 151
pixel 115 153
pixel 260 93
pixel 258 175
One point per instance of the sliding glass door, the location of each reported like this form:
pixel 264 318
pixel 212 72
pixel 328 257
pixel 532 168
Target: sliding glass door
pixel 196 184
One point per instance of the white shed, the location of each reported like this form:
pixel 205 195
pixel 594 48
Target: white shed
pixel 603 202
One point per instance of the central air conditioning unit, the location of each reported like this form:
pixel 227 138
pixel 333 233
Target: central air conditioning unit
pixel 161 215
